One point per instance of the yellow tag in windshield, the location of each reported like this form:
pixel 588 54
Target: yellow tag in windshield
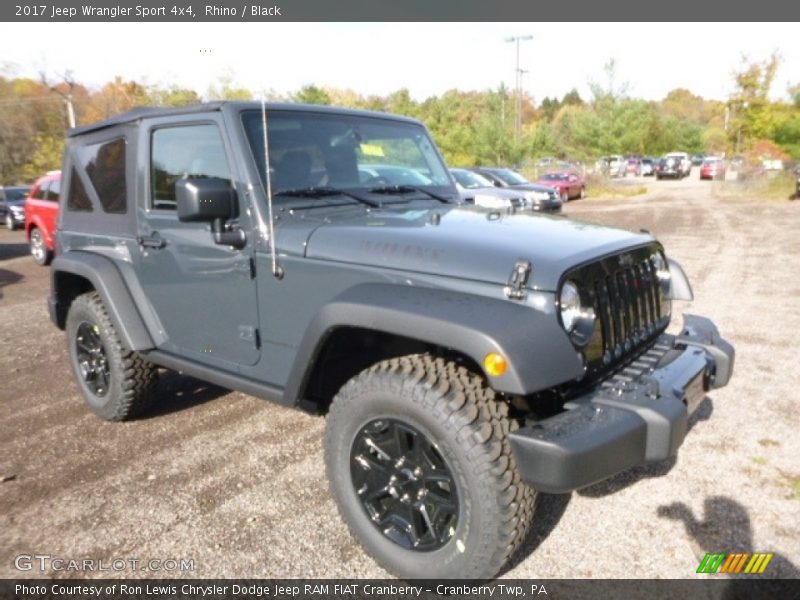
pixel 372 150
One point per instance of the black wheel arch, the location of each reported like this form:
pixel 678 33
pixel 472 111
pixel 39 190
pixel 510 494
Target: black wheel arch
pixel 384 320
pixel 76 272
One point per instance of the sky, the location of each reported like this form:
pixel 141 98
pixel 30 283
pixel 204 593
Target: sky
pixel 426 58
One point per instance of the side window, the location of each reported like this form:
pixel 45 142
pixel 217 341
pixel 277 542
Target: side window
pixel 77 199
pixel 192 151
pixel 105 165
pixel 40 191
pixel 54 191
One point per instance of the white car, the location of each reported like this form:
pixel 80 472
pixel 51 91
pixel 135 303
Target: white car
pixel 685 160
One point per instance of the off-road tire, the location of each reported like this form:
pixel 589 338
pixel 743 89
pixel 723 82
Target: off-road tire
pixel 133 380
pixel 458 412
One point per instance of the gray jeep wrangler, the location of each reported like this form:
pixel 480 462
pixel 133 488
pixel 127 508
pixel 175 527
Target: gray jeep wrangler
pixel 465 358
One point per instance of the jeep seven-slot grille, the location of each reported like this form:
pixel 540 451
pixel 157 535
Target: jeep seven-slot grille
pixel 627 300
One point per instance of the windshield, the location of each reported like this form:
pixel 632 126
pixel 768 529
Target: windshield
pixel 16 194
pixel 344 151
pixel 509 177
pixel 470 180
pixel 555 177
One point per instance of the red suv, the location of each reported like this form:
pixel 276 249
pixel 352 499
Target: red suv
pixel 41 211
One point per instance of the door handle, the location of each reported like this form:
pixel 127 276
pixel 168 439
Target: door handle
pixel 155 242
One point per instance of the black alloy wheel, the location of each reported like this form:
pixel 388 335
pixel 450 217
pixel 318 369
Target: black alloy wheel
pixel 92 360
pixel 404 484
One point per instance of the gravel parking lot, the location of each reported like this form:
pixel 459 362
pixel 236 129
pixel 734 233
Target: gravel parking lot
pixel 238 486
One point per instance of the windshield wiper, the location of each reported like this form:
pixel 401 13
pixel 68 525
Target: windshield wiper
pixel 407 189
pixel 322 191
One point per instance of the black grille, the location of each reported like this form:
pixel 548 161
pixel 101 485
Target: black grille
pixel 628 308
pixel 626 295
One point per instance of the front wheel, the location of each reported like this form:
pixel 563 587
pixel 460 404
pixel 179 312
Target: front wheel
pixel 564 196
pixel 42 255
pixel 420 466
pixel 11 224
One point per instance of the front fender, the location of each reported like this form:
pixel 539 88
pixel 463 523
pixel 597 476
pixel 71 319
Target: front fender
pixel 106 279
pixel 538 352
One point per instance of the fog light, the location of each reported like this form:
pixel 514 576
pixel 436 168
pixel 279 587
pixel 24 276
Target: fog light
pixel 495 364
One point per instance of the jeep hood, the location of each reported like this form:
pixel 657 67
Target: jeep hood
pixel 467 243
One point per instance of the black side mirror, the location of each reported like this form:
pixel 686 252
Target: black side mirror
pixel 204 200
pixel 210 201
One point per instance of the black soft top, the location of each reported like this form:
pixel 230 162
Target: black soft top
pixel 149 112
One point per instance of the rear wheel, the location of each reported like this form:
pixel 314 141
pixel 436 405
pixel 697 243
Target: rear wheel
pixel 420 466
pixel 42 255
pixel 116 383
pixel 583 192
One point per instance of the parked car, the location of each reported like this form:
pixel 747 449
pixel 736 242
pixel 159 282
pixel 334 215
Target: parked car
pixel 648 166
pixel 797 183
pixel 541 197
pixel 684 160
pixel 476 189
pixel 633 166
pixel 613 165
pixel 669 166
pixel 12 205
pixel 697 159
pixel 713 168
pixel 41 211
pixel 568 185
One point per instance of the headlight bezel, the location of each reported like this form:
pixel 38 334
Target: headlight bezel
pixel 576 315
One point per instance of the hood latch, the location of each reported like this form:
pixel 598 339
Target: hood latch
pixel 518 280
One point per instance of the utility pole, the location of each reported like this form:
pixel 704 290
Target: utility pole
pixel 68 98
pixel 518 81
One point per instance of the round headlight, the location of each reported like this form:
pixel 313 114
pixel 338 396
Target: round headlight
pixel 570 304
pixel 578 320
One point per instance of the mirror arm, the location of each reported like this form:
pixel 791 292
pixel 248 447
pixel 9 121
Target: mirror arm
pixel 234 237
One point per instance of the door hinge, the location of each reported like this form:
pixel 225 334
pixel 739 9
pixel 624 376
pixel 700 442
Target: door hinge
pixel 518 280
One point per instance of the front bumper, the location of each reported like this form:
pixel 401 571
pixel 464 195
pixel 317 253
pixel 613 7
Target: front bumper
pixel 637 416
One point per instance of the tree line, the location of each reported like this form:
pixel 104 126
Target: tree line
pixel 470 127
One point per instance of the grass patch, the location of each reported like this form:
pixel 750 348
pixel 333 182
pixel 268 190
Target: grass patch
pixel 605 187
pixel 759 460
pixel 793 481
pixel 766 443
pixel 778 186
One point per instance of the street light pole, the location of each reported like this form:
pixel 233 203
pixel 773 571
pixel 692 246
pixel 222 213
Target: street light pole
pixel 518 82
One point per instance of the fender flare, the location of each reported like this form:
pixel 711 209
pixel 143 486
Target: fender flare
pixel 106 279
pixel 538 351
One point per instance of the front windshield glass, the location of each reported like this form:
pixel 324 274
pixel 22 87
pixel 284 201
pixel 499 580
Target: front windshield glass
pixel 510 177
pixel 471 180
pixel 311 150
pixel 555 177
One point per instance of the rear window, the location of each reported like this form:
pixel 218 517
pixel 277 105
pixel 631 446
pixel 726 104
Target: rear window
pixel 77 199
pixel 105 165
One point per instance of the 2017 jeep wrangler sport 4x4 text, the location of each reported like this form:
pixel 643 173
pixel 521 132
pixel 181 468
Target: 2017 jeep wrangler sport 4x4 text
pixel 464 357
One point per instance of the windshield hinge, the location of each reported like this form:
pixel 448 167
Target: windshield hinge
pixel 518 280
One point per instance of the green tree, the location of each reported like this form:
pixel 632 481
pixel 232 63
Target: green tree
pixel 311 94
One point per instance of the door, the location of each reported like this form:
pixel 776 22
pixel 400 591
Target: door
pixel 203 294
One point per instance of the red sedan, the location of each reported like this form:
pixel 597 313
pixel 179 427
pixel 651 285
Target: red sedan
pixel 713 168
pixel 569 185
